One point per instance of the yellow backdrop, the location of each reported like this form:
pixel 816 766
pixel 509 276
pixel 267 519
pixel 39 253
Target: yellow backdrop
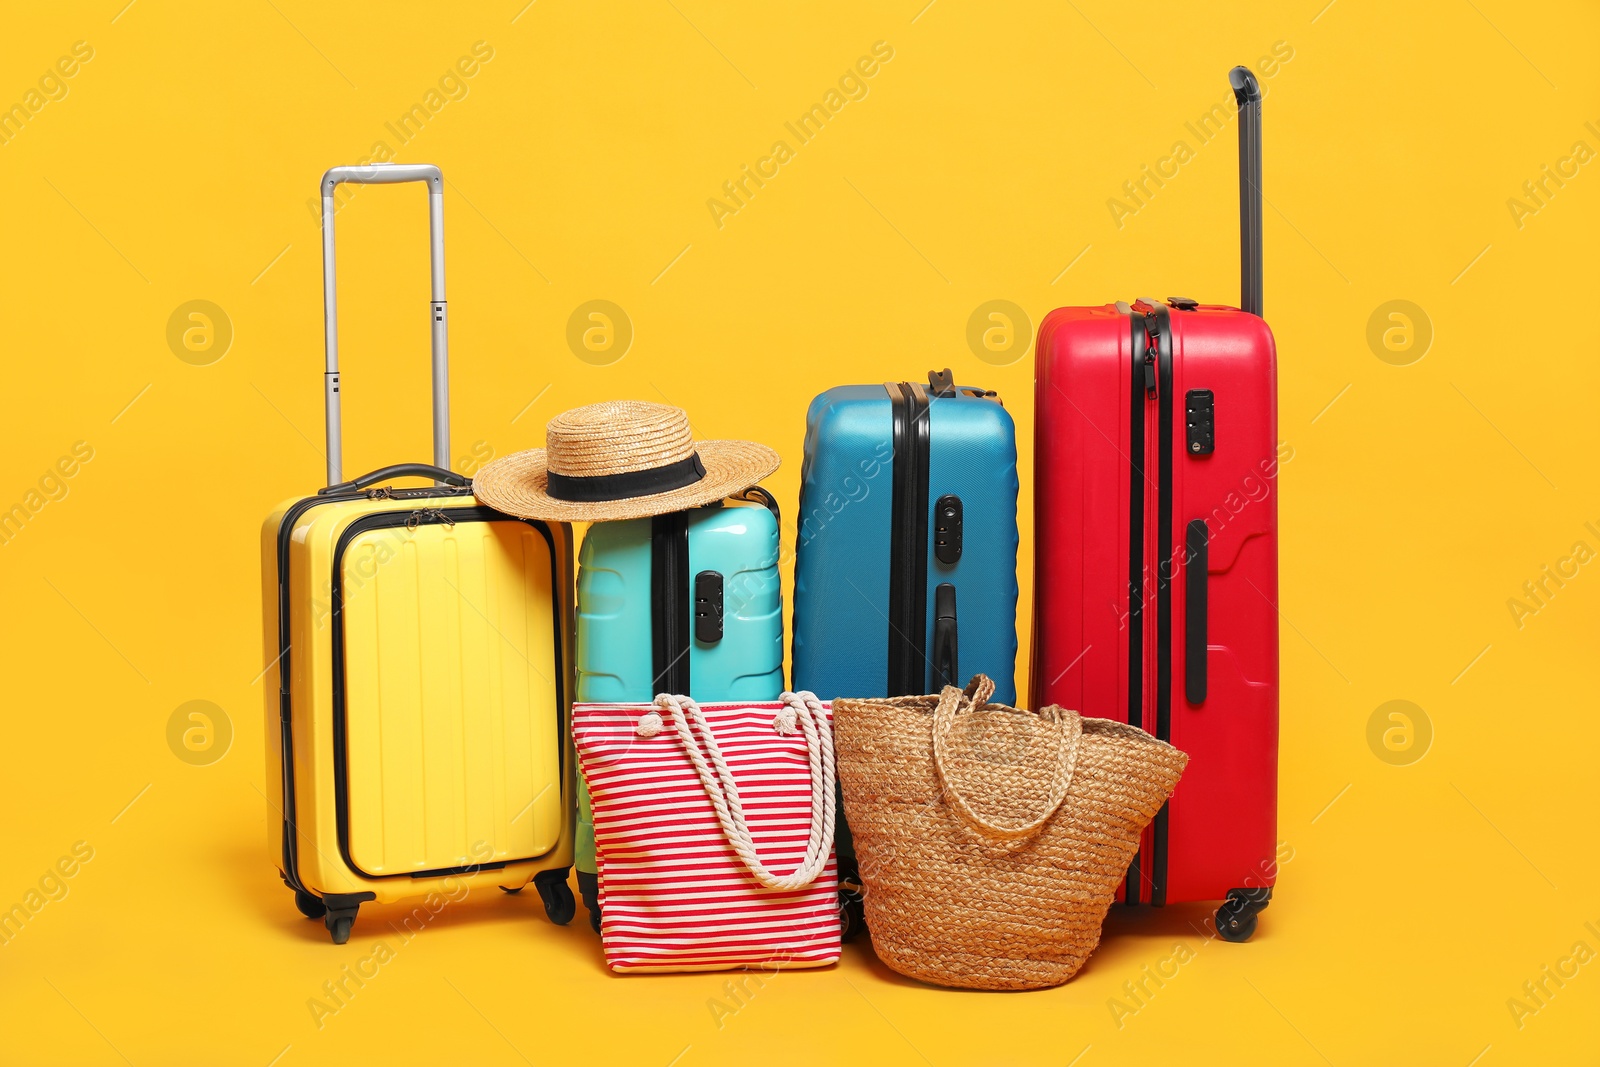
pixel 1430 276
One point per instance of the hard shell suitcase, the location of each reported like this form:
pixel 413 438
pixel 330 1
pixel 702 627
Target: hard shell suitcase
pixel 419 670
pixel 1156 536
pixel 686 603
pixel 906 550
pixel 905 553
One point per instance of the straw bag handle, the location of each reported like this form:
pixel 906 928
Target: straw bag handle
pixel 803 709
pixel 978 692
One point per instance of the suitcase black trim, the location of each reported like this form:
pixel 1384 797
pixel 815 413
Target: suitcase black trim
pixel 1150 321
pixel 1161 318
pixel 341 790
pixel 908 540
pixel 669 604
pixel 1132 891
pixel 291 515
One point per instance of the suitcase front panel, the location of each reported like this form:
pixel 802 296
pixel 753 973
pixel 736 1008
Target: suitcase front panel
pixel 451 715
pixel 973 458
pixel 613 643
pixel 740 543
pixel 1222 821
pixel 841 575
pixel 1084 443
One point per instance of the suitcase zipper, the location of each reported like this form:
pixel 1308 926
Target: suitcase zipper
pixel 291 831
pixel 1164 568
pixel 1150 329
pixel 426 516
pixel 1139 390
pixel 1155 324
pixel 669 604
pixel 908 541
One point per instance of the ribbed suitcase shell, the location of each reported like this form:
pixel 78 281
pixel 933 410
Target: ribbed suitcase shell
pixel 1221 824
pixel 616 623
pixel 426 719
pixel 842 551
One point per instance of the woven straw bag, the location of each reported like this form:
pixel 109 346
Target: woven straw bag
pixel 992 840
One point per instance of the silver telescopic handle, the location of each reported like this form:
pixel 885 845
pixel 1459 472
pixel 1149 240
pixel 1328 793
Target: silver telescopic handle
pixel 387 174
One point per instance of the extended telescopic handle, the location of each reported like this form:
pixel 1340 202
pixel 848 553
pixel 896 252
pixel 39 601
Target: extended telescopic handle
pixel 1248 94
pixel 387 174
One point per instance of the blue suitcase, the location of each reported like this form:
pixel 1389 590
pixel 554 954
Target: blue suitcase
pixel 682 603
pixel 906 552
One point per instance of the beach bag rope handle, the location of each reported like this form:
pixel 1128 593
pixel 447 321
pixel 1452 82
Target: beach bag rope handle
pixel 801 709
pixel 977 694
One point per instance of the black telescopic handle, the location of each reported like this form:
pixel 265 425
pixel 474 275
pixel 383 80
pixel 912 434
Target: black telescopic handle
pixel 1247 91
pixel 398 470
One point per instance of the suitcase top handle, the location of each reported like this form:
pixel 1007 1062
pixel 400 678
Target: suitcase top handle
pixel 1247 92
pixel 386 174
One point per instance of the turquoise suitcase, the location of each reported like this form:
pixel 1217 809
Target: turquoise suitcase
pixel 685 603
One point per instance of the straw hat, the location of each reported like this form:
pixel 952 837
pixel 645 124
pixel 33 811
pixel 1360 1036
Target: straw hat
pixel 621 459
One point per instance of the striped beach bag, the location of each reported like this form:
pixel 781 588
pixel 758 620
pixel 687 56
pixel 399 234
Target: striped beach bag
pixel 714 830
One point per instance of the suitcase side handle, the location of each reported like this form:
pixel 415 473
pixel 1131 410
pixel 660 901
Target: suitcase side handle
pixel 1194 609
pixel 399 470
pixel 1247 92
pixel 386 174
pixel 946 650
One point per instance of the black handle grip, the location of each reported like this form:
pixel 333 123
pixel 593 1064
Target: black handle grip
pixel 398 470
pixel 757 495
pixel 1197 570
pixel 946 655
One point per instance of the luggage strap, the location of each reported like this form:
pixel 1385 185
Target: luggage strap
pixel 803 711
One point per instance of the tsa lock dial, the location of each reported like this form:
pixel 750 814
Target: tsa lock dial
pixel 947 529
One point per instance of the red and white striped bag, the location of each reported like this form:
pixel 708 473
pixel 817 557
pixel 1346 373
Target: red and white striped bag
pixel 714 829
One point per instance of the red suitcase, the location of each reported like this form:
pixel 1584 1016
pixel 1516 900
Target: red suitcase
pixel 1157 557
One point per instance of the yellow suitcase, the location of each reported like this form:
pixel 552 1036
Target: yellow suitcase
pixel 420 673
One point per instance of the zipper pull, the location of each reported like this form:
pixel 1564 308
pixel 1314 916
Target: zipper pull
pixel 1150 369
pixel 423 515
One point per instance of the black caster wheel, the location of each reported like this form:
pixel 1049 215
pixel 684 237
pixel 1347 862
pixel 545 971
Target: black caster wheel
pixel 511 890
pixel 589 888
pixel 1236 918
pixel 852 920
pixel 339 926
pixel 559 904
pixel 852 914
pixel 1234 925
pixel 310 906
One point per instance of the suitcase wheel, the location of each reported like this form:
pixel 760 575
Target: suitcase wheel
pixel 339 925
pixel 1236 918
pixel 852 914
pixel 559 903
pixel 310 905
pixel 339 913
pixel 589 886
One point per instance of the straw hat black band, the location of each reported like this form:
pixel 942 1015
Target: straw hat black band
pixel 648 482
